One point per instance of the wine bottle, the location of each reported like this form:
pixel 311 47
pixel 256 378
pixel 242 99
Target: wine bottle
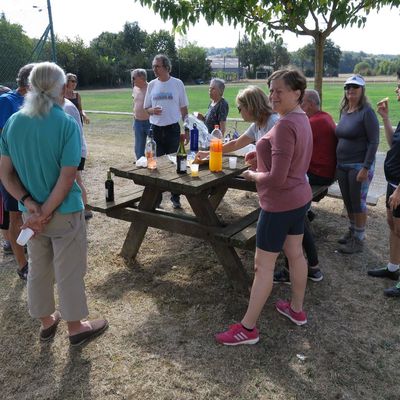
pixel 181 157
pixel 109 185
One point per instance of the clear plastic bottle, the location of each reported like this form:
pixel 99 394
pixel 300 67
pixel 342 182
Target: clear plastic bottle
pixel 216 150
pixel 151 151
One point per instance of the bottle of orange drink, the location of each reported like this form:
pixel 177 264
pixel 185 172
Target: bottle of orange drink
pixel 216 150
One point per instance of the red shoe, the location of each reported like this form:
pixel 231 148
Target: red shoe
pixel 283 307
pixel 236 334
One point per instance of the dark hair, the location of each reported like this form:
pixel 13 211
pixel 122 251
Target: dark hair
pixel 292 77
pixel 23 75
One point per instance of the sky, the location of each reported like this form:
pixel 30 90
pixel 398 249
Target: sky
pixel 88 18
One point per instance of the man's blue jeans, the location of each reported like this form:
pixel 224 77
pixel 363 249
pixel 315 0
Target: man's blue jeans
pixel 141 129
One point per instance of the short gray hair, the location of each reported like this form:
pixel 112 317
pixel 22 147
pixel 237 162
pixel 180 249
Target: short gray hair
pixel 139 72
pixel 219 84
pixel 313 96
pixel 166 62
pixel 23 75
pixel 46 80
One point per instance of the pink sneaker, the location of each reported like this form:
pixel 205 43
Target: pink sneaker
pixel 283 307
pixel 236 334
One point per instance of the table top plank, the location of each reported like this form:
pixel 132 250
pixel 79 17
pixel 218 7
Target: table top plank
pixel 166 178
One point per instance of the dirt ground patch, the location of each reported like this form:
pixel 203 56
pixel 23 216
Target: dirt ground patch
pixel 165 307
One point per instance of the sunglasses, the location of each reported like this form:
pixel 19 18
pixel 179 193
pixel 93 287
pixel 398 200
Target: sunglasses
pixel 351 86
pixel 240 109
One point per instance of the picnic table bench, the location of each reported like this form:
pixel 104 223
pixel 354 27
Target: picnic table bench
pixel 138 205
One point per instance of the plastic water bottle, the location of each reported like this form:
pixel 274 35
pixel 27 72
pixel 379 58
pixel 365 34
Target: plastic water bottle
pixel 216 150
pixel 194 139
pixel 151 151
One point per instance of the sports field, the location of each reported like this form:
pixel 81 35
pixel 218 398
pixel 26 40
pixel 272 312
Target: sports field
pixel 121 100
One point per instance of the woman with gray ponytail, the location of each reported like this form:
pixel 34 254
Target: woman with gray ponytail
pixel 40 152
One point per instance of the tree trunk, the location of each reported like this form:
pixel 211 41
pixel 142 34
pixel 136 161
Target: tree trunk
pixel 319 62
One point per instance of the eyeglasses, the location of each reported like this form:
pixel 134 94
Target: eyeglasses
pixel 239 109
pixel 351 86
pixel 157 66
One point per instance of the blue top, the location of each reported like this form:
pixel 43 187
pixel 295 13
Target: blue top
pixel 10 103
pixel 39 148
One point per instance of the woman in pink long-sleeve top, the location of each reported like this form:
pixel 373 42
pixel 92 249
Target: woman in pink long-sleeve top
pixel 279 169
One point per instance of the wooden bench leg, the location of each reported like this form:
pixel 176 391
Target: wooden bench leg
pixel 233 267
pixel 138 229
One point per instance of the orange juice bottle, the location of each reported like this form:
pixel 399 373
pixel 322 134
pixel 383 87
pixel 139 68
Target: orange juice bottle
pixel 216 150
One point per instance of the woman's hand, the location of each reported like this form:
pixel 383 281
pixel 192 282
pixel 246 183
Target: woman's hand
pixel 362 175
pixel 249 175
pixel 251 159
pixel 394 199
pixel 201 155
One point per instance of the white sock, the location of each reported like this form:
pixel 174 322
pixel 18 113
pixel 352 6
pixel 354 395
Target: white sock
pixel 392 267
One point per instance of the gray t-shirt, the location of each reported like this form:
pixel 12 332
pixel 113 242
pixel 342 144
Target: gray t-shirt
pixel 358 137
pixel 257 133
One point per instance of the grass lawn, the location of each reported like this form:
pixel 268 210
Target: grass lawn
pixel 165 307
pixel 120 100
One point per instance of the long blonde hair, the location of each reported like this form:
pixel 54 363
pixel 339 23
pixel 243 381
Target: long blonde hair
pixel 46 81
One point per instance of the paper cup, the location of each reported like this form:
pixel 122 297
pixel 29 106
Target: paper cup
pixel 24 236
pixel 194 169
pixel 232 162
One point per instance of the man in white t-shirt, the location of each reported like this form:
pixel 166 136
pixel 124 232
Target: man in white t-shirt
pixel 166 102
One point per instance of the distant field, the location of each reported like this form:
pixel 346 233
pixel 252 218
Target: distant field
pixel 121 100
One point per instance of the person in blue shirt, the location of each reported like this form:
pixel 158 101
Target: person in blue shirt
pixel 40 152
pixel 10 103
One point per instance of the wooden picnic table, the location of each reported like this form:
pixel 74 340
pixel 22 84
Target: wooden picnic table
pixel 204 194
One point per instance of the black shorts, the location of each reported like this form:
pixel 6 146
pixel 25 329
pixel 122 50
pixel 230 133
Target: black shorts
pixel 10 204
pixel 273 227
pixel 389 191
pixel 81 165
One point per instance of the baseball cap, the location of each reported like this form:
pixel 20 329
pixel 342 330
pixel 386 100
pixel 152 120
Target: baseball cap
pixel 355 80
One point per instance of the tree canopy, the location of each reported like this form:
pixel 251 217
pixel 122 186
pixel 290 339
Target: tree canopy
pixel 315 18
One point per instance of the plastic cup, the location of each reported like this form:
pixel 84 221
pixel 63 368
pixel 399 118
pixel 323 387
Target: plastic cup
pixel 194 169
pixel 232 162
pixel 159 108
pixel 24 236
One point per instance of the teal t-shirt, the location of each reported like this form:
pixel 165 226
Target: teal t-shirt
pixel 39 148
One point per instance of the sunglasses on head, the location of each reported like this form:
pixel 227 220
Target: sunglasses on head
pixel 351 86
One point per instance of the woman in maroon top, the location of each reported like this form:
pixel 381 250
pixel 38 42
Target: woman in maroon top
pixel 279 169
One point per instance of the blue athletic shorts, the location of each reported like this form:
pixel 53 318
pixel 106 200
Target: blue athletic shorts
pixel 273 227
pixel 10 204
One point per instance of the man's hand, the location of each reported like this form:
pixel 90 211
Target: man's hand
pixel 383 109
pixel 36 222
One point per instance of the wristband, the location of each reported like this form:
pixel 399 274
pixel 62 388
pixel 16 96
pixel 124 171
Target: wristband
pixel 23 198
